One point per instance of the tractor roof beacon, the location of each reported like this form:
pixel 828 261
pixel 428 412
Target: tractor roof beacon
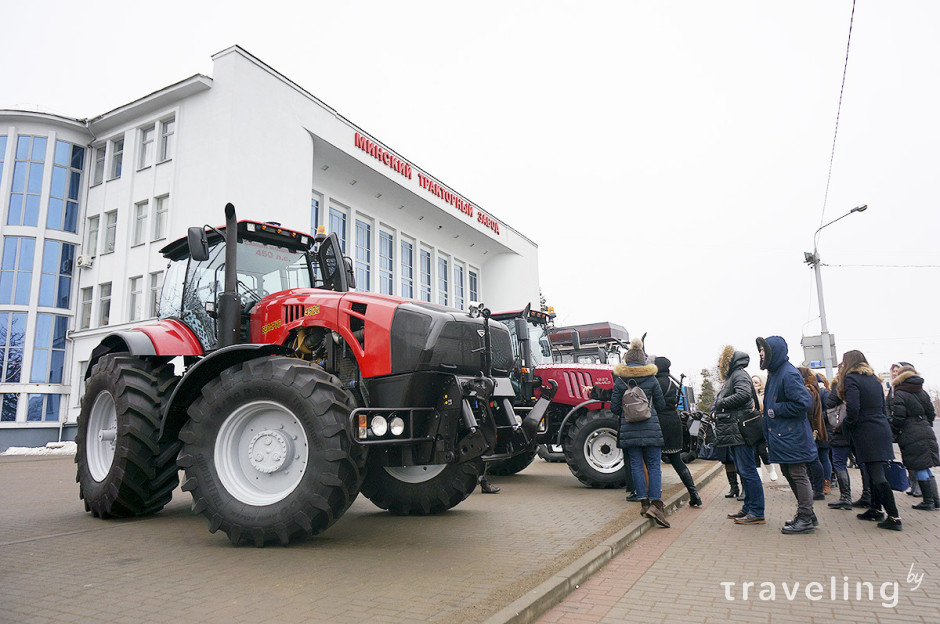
pixel 282 393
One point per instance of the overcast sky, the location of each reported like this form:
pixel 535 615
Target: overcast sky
pixel 670 159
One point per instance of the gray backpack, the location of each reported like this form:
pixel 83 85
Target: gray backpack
pixel 636 407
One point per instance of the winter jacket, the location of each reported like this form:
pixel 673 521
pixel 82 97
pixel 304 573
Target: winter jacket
pixel 865 419
pixel 646 432
pixel 669 421
pixel 735 395
pixel 912 416
pixel 786 400
pixel 840 437
pixel 817 420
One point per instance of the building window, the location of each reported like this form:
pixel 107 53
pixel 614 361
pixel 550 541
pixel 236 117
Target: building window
pixel 136 297
pixel 425 260
pixel 167 130
pixel 474 286
pixel 314 215
pixel 442 281
pixel 84 313
pixel 104 305
pixel 9 407
pixel 117 157
pixel 407 270
pixel 156 280
pixel 458 287
pixel 338 226
pixel 110 231
pixel 16 269
pixel 145 157
pixel 91 240
pixel 363 256
pixel 49 349
pixel 27 181
pixel 55 283
pixel 43 407
pixel 3 151
pixel 12 341
pixel 160 208
pixel 66 184
pixel 140 222
pixel 98 172
pixel 386 263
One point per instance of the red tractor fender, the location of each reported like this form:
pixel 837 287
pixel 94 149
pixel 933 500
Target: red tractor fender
pixel 167 338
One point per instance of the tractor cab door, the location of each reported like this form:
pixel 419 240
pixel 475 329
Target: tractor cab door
pixel 334 271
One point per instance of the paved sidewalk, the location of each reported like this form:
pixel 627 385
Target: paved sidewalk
pixel 675 575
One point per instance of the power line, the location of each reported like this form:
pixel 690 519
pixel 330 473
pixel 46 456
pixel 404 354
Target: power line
pixel 884 266
pixel 832 156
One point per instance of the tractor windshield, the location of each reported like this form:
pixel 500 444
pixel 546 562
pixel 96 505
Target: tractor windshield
pixel 541 348
pixel 263 269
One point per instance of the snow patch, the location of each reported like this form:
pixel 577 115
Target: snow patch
pixel 52 448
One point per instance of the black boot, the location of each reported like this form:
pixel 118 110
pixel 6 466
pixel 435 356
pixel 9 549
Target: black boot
pixel 929 490
pixel 845 491
pixel 686 477
pixel 800 525
pixel 733 481
pixel 915 485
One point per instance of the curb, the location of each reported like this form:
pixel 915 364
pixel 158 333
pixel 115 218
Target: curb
pixel 546 595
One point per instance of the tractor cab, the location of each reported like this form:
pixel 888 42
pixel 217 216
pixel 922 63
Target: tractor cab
pixel 529 330
pixel 267 259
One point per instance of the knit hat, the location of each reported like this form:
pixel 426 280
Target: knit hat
pixel 636 352
pixel 906 368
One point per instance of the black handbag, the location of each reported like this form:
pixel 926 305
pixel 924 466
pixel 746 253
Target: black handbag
pixel 751 422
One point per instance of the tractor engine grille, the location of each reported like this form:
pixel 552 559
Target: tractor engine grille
pixel 293 312
pixel 575 382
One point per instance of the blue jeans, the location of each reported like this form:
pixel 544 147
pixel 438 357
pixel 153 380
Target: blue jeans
pixel 824 460
pixel 840 457
pixel 753 490
pixel 652 457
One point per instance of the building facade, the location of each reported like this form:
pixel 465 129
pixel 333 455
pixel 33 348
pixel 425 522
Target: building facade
pixel 88 204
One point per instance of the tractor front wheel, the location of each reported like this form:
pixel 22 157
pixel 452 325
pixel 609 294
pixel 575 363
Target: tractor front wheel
pixel 421 490
pixel 591 450
pixel 266 453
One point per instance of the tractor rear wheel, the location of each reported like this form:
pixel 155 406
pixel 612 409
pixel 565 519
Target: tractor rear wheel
pixel 421 490
pixel 515 464
pixel 591 450
pixel 266 452
pixel 122 468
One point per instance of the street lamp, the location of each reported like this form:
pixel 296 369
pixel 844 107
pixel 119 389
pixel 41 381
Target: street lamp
pixel 812 259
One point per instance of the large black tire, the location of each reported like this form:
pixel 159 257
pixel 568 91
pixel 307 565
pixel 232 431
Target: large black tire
pixel 545 452
pixel 266 453
pixel 421 490
pixel 515 464
pixel 591 450
pixel 122 468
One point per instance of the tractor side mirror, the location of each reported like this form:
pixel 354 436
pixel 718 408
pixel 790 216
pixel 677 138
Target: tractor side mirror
pixel 198 244
pixel 575 341
pixel 350 274
pixel 522 329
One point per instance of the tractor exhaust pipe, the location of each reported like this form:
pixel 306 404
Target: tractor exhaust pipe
pixel 230 305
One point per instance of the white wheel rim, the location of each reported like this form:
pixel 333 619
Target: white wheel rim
pixel 101 435
pixel 261 453
pixel 415 474
pixel 601 451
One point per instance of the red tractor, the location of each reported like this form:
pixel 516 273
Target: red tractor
pixel 282 395
pixel 570 358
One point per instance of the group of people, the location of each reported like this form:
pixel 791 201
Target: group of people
pixel 794 419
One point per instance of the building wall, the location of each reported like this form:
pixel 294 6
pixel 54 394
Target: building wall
pixel 250 136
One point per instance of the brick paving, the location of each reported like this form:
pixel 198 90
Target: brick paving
pixel 674 575
pixel 61 565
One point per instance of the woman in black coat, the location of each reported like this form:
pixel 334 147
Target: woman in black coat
pixel 671 426
pixel 641 441
pixel 867 425
pixel 912 416
pixel 841 447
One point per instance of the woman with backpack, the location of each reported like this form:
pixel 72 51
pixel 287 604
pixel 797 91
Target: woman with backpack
pixel 736 396
pixel 912 416
pixel 841 447
pixel 640 435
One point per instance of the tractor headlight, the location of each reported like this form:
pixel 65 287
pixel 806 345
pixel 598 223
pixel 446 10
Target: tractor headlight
pixel 379 426
pixel 396 426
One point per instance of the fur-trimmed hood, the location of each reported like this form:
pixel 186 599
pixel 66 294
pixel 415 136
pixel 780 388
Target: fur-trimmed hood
pixel 627 370
pixel 862 368
pixel 729 360
pixel 909 377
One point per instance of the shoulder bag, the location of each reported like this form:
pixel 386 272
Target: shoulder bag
pixel 751 422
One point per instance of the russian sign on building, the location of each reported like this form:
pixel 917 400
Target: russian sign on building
pixel 426 182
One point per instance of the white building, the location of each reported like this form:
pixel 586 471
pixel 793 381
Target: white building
pixel 88 204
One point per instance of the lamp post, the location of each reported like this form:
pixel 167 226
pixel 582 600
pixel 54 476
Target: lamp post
pixel 812 259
